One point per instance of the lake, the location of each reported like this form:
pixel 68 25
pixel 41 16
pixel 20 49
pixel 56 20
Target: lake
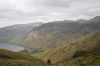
pixel 11 47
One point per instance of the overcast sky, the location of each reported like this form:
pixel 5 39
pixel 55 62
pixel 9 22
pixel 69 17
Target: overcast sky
pixel 28 11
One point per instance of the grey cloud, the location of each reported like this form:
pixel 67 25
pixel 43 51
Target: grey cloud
pixel 25 11
pixel 56 3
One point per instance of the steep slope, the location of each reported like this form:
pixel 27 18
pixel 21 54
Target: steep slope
pixel 9 58
pixel 88 45
pixel 16 30
pixel 81 61
pixel 54 34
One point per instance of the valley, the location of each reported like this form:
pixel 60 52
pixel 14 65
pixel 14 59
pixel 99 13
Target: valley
pixel 59 43
pixel 49 32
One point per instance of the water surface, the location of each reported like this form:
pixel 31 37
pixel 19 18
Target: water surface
pixel 11 47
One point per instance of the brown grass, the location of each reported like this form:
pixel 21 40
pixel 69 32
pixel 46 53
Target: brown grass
pixel 87 44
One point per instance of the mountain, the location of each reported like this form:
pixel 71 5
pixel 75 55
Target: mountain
pixel 58 39
pixel 54 34
pixel 16 30
pixel 81 20
pixel 9 58
pixel 82 50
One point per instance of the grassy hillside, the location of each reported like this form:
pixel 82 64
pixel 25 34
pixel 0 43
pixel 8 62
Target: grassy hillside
pixel 81 52
pixel 81 61
pixel 85 46
pixel 9 58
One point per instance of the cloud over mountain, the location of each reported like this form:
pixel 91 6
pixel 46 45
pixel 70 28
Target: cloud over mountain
pixel 24 11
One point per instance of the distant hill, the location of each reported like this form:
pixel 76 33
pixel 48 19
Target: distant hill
pixel 9 58
pixel 84 49
pixel 54 34
pixel 16 30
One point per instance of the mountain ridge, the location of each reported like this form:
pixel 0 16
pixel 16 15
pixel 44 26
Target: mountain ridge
pixel 53 34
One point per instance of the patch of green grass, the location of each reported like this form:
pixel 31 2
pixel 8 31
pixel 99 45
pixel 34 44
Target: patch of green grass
pixel 40 53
